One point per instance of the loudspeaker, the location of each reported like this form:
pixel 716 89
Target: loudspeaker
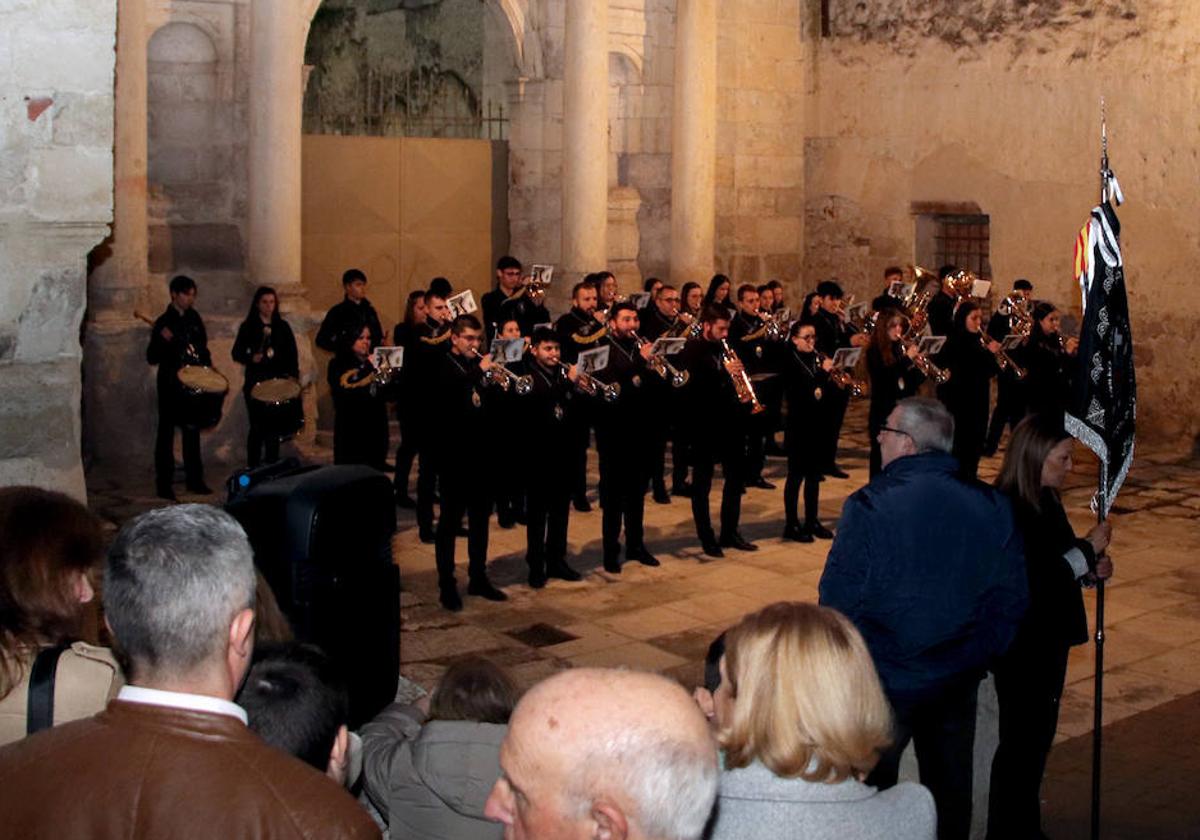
pixel 322 538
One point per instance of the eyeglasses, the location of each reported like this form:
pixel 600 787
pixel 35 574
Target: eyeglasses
pixel 883 429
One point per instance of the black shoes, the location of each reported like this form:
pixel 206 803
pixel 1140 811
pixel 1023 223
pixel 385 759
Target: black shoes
pixel 642 556
pixel 736 540
pixel 451 600
pixel 427 537
pixel 762 484
pixel 711 549
pixel 612 565
pixel 199 488
pixel 819 531
pixel 537 578
pixel 166 493
pixel 797 534
pixel 582 504
pixel 661 496
pixel 684 489
pixel 483 588
pixel 506 520
pixel 835 471
pixel 405 501
pixel 559 569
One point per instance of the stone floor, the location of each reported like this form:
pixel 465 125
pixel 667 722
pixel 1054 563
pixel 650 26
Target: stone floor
pixel 663 618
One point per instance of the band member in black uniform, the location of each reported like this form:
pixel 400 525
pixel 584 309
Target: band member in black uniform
pixel 892 374
pixel 431 343
pixel 622 442
pixel 578 330
pixel 345 320
pixel 457 400
pixel 360 427
pixel 778 296
pixel 885 300
pixel 1008 410
pixel 504 409
pixel 607 292
pixel 748 337
pixel 805 385
pixel 408 402
pixel 833 332
pixel 510 299
pixel 691 300
pixel 177 338
pixel 941 307
pixel 544 420
pixel 972 366
pixel 715 421
pixel 1047 358
pixel 660 317
pixel 266 346
pixel 719 289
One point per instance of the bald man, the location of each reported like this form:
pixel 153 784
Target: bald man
pixel 604 753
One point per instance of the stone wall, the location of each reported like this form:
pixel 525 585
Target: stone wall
pixel 998 105
pixel 56 134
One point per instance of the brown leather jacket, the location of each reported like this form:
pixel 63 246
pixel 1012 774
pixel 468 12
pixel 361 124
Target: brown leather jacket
pixel 140 771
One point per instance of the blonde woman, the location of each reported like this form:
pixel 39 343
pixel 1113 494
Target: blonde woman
pixel 802 719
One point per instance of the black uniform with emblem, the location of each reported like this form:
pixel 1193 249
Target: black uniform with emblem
pixel 807 388
pixel 624 448
pixel 503 409
pixel 715 423
pixel 893 377
pixel 499 307
pixel 833 333
pixel 748 338
pixel 457 400
pixel 1047 384
pixel 408 410
pixel 966 393
pixel 424 362
pixel 275 345
pixel 188 346
pixel 344 321
pixel 578 331
pixel 661 423
pixel 360 424
pixel 545 424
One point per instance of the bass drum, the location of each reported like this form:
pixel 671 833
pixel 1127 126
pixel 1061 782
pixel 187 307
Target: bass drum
pixel 201 396
pixel 275 407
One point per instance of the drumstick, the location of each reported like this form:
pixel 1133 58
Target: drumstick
pixel 142 316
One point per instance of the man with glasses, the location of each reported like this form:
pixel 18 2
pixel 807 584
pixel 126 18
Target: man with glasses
pixel 931 570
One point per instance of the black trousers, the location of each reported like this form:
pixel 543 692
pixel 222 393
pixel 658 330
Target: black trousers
pixel 836 399
pixel 802 469
pixel 680 456
pixel 730 451
pixel 1008 411
pixel 164 448
pixel 406 452
pixel 462 492
pixel 547 508
pixel 258 438
pixel 1029 685
pixel 942 729
pixel 427 480
pixel 624 473
pixel 580 437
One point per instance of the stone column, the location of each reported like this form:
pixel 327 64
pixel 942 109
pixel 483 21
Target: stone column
pixel 694 142
pixel 120 274
pixel 585 138
pixel 276 108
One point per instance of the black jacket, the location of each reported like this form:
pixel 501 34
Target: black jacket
pixel 278 346
pixel 344 321
pixel 578 331
pixel 889 383
pixel 188 345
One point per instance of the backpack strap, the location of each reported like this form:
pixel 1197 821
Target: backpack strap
pixel 39 713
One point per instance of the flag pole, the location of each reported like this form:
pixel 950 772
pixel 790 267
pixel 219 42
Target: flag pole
pixel 1101 507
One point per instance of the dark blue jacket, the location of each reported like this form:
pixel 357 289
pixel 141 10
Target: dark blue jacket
pixel 931 569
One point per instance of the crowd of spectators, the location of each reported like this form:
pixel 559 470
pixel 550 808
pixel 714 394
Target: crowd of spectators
pixel 216 723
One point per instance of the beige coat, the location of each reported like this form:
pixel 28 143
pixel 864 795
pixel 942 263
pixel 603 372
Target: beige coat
pixel 87 677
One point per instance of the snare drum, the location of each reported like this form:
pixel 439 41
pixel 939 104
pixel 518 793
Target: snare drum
pixel 275 407
pixel 202 395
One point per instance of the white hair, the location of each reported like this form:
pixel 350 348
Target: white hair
pixel 175 578
pixel 670 783
pixel 928 422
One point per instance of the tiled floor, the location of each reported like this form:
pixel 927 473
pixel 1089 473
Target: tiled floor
pixel 663 618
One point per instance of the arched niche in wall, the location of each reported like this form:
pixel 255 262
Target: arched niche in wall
pixel 193 157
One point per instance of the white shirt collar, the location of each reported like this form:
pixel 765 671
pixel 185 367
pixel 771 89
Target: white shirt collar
pixel 179 700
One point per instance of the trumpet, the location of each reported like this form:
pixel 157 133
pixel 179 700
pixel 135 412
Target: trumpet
pixel 592 386
pixel 776 329
pixel 843 379
pixel 686 326
pixel 659 364
pixel 382 375
pixel 1004 360
pixel 741 382
pixel 504 378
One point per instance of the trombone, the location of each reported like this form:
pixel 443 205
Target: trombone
pixel 661 366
